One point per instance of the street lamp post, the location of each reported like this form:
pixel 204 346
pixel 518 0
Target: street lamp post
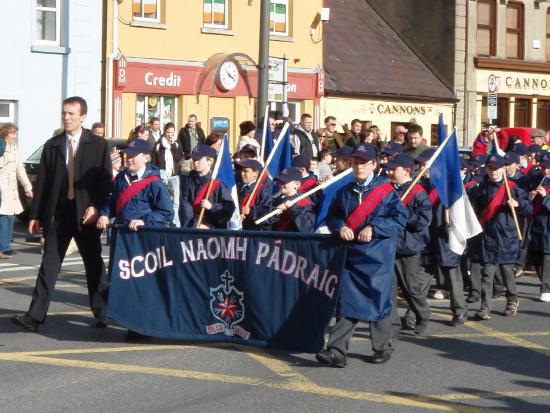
pixel 263 61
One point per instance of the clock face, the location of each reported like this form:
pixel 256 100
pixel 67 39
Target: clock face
pixel 228 76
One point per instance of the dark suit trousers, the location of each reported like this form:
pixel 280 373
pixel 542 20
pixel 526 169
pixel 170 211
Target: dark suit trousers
pixel 57 239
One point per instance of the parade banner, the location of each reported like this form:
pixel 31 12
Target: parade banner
pixel 267 289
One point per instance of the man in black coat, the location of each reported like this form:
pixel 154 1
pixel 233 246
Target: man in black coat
pixel 190 136
pixel 74 180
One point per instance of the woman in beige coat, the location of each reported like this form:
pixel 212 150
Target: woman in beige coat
pixel 12 171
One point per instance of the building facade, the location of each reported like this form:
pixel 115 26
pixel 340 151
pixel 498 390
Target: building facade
pixel 52 50
pixel 173 58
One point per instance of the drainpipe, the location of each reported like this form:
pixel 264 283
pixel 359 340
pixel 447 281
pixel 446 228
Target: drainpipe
pixel 110 68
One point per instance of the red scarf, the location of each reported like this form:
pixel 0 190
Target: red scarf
pixel 417 188
pixel 286 219
pixel 131 191
pixel 498 200
pixel 308 184
pixel 202 194
pixel 434 196
pixel 253 201
pixel 369 204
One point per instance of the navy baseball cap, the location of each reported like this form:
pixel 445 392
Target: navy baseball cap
pixel 425 155
pixel 252 164
pixel 251 149
pixel 136 147
pixel 545 160
pixel 301 161
pixel 520 148
pixel 479 160
pixel 289 175
pixel 392 148
pixel 344 152
pixel 401 159
pixel 366 152
pixel 511 157
pixel 201 151
pixel 495 162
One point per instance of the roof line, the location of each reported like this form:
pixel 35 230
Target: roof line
pixel 376 95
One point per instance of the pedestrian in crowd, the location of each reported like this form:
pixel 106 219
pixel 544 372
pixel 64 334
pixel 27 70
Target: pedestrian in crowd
pixel 499 243
pixel 214 140
pixel 322 136
pixel 247 135
pixel 217 202
pixel 334 139
pixel 539 234
pixel 323 165
pixel 353 135
pixel 261 202
pixel 140 132
pixel 154 131
pixel 400 135
pixel 308 180
pixel 367 211
pixel 167 155
pixel 248 152
pixel 73 182
pixel 342 159
pixel 410 276
pixel 191 135
pixel 414 141
pixel 12 172
pixel 305 141
pixel 98 129
pixel 538 137
pixel 298 217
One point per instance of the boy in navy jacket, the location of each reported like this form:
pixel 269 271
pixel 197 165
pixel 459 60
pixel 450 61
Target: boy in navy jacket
pixel 411 277
pixel 261 201
pixel 499 243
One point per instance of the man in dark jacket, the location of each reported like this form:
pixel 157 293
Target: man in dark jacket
pixel 411 277
pixel 306 141
pixel 499 243
pixel 198 193
pixel 190 136
pixel 74 179
pixel 368 215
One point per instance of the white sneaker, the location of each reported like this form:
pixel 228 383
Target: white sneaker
pixel 545 297
pixel 439 295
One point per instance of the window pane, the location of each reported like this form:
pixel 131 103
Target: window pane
pixel 483 13
pixel 483 42
pixel 136 8
pixel 46 3
pixel 280 18
pixel 219 11
pixel 150 9
pixel 207 11
pixel 512 45
pixel 4 110
pixel 45 25
pixel 512 17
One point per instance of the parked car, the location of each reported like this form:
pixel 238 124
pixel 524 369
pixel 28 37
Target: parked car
pixel 32 164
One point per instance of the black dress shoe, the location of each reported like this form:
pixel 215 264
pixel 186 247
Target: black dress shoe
pixel 420 329
pixel 472 299
pixel 330 358
pixel 381 357
pixel 135 336
pixel 458 319
pixel 27 322
pixel 407 323
pixel 10 252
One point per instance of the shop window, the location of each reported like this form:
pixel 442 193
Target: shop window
pixel 543 114
pixel 294 112
pixel 7 111
pixel 522 112
pixel 48 26
pixel 514 30
pixel 503 109
pixel 486 27
pixel 548 35
pixel 215 14
pixel 146 10
pixel 162 107
pixel 278 17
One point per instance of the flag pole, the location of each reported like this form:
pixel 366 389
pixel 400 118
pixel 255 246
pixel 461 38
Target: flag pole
pixel 264 133
pixel 277 211
pixel 426 166
pixel 508 192
pixel 270 157
pixel 211 182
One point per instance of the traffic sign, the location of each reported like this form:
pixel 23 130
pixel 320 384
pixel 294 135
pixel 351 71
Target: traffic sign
pixel 492 105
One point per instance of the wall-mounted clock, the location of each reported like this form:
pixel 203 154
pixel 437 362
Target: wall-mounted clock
pixel 228 76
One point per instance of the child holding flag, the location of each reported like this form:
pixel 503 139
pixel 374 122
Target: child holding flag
pixel 260 204
pixel 200 191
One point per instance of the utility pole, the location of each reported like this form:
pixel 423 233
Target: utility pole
pixel 263 61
